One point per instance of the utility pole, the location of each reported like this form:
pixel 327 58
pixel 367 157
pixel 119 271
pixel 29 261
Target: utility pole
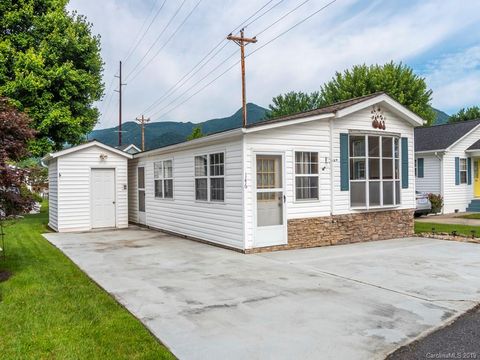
pixel 142 121
pixel 120 84
pixel 242 41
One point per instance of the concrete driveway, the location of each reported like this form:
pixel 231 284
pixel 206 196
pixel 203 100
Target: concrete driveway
pixel 358 301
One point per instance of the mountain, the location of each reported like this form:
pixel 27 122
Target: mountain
pixel 158 134
pixel 440 118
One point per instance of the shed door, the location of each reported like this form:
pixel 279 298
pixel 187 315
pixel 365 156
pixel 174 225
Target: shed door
pixel 103 198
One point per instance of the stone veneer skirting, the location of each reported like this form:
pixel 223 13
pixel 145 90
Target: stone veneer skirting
pixel 345 229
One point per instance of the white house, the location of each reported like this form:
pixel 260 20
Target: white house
pixel 87 187
pixel 333 175
pixel 447 163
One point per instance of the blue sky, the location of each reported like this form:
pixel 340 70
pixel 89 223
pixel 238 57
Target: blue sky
pixel 440 39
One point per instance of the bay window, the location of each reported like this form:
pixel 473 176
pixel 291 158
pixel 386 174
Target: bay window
pixel 374 171
pixel 163 179
pixel 306 175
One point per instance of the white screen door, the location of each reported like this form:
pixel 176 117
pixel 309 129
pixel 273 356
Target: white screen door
pixel 141 194
pixel 103 198
pixel 270 201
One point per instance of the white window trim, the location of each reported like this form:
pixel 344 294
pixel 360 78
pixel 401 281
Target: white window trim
pixel 381 180
pixel 209 177
pixel 295 175
pixel 464 171
pixel 162 179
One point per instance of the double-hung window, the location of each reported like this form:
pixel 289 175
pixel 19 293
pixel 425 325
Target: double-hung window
pixel 210 177
pixel 374 171
pixel 163 178
pixel 463 171
pixel 306 175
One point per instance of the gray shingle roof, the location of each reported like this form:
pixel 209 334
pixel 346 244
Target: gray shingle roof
pixel 475 146
pixel 440 137
pixel 320 111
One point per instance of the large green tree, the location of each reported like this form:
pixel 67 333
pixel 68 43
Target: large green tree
pixel 398 80
pixel 50 66
pixel 293 102
pixel 470 113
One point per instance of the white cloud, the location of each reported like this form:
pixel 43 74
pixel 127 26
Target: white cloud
pixel 348 32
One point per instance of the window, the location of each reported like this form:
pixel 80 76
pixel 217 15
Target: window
pixel 209 177
pixel 463 171
pixel 306 176
pixel 163 179
pixel 374 171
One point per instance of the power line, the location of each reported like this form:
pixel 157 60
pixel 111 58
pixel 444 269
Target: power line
pixel 168 40
pixel 174 88
pixel 261 15
pixel 157 39
pixel 137 43
pixel 283 17
pixel 251 53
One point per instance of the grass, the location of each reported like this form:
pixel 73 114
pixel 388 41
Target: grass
pixel 49 309
pixel 474 216
pixel 422 227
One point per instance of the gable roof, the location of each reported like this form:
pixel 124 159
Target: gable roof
pixel 336 110
pixel 441 137
pixel 85 146
pixel 475 146
pixel 127 147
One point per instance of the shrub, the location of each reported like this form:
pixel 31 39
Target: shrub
pixel 437 202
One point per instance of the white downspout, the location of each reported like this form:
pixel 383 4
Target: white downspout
pixel 332 186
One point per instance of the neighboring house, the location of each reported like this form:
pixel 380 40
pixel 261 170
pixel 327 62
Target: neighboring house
pixel 339 174
pixel 129 148
pixel 447 161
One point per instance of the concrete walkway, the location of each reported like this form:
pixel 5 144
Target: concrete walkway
pixel 358 301
pixel 454 219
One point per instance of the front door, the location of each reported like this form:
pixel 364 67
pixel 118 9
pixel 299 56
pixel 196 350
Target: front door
pixel 270 226
pixel 103 198
pixel 476 177
pixel 141 195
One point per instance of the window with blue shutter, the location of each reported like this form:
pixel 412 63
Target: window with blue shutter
pixel 344 177
pixel 404 163
pixel 469 171
pixel 420 165
pixel 457 171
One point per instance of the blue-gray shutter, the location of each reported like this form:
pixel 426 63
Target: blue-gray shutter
pixel 420 163
pixel 457 171
pixel 469 171
pixel 404 163
pixel 344 176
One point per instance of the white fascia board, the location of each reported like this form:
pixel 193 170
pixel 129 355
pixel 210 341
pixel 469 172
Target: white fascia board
pixel 191 143
pixel 85 146
pixel 394 105
pixel 468 133
pixel 288 122
pixel 427 152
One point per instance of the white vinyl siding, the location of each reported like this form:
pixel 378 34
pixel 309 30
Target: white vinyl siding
pixel 219 222
pixel 74 173
pixel 431 181
pixel 53 194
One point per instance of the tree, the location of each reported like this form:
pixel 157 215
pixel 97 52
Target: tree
pixel 50 66
pixel 398 80
pixel 15 133
pixel 293 102
pixel 470 113
pixel 196 133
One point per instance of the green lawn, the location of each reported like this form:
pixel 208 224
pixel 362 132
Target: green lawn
pixel 474 216
pixel 447 228
pixel 49 309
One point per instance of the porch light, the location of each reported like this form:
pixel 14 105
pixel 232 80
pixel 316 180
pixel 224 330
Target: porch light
pixel 103 156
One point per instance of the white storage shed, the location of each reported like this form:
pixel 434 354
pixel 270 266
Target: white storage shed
pixel 88 188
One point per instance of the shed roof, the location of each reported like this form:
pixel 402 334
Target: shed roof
pixel 85 146
pixel 441 137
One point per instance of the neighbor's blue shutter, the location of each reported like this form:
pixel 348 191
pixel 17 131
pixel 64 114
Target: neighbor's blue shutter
pixel 457 171
pixel 420 167
pixel 405 163
pixel 344 178
pixel 469 171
